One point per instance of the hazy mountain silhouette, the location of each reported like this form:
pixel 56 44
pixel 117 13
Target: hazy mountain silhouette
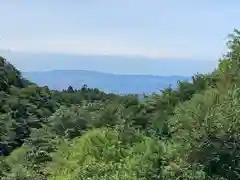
pixel 26 61
pixel 43 65
pixel 61 79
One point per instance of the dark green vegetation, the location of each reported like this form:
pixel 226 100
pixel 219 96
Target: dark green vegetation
pixel 191 133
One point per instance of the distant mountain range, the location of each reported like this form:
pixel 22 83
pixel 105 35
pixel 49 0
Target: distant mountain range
pixel 26 61
pixel 161 70
pixel 61 79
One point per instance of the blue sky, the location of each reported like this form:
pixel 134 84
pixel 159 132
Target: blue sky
pixel 149 28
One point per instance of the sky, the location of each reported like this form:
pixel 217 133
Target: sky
pixel 158 29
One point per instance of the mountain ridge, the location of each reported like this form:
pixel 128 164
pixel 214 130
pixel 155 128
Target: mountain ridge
pixel 109 82
pixel 108 63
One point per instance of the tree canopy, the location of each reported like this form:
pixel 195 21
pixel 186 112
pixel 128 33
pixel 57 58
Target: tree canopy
pixel 189 133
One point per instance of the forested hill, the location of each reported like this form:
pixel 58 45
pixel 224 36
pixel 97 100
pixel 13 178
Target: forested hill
pixel 189 133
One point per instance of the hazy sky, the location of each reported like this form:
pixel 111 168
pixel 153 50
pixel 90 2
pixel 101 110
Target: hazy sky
pixel 154 28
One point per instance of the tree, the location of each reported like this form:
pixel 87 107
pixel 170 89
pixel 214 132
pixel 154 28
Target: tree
pixel 70 89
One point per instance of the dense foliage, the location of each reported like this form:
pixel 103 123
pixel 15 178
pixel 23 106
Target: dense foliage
pixel 188 133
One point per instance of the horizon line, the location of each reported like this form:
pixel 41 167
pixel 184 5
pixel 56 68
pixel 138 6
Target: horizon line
pixel 130 56
pixel 108 73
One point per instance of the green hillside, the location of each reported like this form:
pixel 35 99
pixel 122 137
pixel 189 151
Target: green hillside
pixel 188 133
